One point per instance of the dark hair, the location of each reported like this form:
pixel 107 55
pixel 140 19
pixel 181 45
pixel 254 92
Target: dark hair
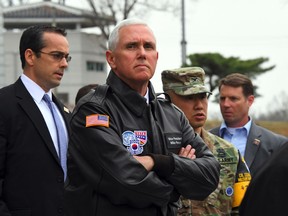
pixel 32 38
pixel 83 91
pixel 238 80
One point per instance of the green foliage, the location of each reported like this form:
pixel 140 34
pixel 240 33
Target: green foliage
pixel 217 66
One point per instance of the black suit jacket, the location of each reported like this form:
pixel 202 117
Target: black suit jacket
pixel 257 153
pixel 267 192
pixel 31 177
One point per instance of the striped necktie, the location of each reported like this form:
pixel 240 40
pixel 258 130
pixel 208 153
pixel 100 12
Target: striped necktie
pixel 61 137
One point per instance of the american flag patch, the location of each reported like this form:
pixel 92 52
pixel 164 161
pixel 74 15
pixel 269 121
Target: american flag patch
pixel 97 120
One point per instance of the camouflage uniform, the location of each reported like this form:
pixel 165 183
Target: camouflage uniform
pixel 218 202
pixel 189 81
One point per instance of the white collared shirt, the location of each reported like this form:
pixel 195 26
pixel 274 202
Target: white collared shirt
pixel 147 96
pixel 37 94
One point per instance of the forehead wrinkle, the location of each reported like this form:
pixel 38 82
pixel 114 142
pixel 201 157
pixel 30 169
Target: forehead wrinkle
pixel 132 33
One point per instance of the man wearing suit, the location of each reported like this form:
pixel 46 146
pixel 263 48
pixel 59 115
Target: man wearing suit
pixel 31 175
pixel 255 143
pixel 267 192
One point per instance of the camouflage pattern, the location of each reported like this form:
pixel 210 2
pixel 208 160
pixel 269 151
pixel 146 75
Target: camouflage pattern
pixel 189 81
pixel 220 201
pixel 185 81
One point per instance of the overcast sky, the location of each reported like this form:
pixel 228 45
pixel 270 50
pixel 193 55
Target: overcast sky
pixel 239 28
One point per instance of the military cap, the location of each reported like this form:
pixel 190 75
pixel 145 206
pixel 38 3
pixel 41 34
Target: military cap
pixel 184 81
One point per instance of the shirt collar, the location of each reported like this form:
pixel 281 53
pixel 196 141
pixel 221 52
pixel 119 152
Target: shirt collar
pixel 147 96
pixel 135 102
pixel 224 127
pixel 34 89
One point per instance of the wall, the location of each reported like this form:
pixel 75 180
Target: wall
pixel 83 47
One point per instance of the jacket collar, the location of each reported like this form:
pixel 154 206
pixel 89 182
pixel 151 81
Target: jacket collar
pixel 132 99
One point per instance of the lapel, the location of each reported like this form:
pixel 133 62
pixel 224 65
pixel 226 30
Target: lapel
pixel 31 110
pixel 64 112
pixel 253 144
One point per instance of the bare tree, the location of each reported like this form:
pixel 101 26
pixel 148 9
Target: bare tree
pixel 122 9
pixel 106 13
pixel 278 109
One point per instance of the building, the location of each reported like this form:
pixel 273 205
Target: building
pixel 88 64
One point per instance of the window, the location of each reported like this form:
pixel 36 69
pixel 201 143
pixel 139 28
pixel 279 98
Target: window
pixel 95 66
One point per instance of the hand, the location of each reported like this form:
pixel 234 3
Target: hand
pixel 187 152
pixel 146 161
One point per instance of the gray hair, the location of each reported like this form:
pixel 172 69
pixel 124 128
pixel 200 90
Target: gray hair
pixel 114 36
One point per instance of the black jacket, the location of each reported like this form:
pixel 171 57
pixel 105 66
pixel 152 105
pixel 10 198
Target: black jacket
pixel 105 179
pixel 31 177
pixel 267 192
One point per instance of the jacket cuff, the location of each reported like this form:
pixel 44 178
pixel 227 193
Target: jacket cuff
pixel 163 165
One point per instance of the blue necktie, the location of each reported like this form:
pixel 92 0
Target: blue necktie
pixel 62 139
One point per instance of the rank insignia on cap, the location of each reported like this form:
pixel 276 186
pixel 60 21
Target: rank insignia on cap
pixel 97 120
pixel 134 141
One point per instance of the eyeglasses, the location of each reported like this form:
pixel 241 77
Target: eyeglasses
pixel 58 56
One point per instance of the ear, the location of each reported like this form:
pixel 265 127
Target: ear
pixel 250 100
pixel 110 59
pixel 29 57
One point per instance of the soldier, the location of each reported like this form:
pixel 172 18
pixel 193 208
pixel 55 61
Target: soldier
pixel 186 88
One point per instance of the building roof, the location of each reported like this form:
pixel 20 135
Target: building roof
pixel 23 16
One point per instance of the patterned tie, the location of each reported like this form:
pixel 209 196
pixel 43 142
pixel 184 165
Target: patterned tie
pixel 62 139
